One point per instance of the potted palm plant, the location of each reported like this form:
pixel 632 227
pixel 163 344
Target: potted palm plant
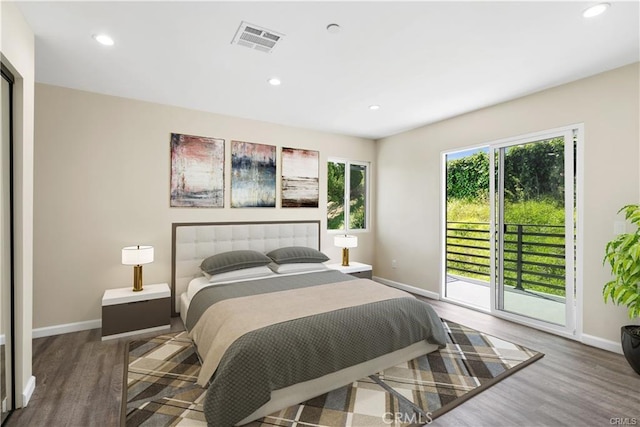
pixel 623 255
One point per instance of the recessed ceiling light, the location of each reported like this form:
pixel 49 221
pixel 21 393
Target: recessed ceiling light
pixel 103 39
pixel 333 28
pixel 274 81
pixel 595 10
pixel 374 107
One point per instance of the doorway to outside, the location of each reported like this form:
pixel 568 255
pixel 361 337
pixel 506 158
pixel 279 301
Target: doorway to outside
pixel 510 240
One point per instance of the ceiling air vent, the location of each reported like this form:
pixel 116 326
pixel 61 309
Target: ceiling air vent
pixel 256 37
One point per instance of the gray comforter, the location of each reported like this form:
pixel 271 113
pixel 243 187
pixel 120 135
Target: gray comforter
pixel 290 352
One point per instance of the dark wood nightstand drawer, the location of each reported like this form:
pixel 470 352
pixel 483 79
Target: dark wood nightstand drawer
pixel 136 315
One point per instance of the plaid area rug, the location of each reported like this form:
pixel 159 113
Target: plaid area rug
pixel 161 391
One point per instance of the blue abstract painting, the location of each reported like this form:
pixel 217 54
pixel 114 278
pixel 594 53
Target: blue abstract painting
pixel 253 175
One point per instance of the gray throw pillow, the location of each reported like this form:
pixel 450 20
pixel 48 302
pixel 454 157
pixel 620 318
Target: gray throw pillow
pixel 233 260
pixel 296 254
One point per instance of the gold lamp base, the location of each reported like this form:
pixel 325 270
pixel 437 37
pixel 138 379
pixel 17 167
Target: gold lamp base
pixel 345 257
pixel 137 278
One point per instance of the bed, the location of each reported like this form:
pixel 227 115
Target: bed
pixel 275 331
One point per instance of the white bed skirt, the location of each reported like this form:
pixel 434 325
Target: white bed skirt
pixel 184 306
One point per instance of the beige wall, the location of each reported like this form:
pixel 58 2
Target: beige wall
pixel 408 165
pixel 102 173
pixel 102 178
pixel 17 49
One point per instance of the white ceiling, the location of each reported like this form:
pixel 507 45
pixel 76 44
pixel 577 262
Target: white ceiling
pixel 420 61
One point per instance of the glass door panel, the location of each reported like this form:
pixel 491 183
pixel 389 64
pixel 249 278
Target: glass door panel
pixel 534 216
pixel 467 238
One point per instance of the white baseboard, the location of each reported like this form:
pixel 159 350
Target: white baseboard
pixel 28 390
pixel 408 288
pixel 598 342
pixel 66 328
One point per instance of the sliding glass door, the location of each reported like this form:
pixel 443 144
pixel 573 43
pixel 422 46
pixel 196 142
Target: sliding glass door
pixel 509 233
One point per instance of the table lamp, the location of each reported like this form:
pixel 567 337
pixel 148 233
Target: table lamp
pixel 136 256
pixel 345 242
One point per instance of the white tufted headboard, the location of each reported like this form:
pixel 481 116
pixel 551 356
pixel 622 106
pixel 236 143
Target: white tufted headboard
pixel 193 242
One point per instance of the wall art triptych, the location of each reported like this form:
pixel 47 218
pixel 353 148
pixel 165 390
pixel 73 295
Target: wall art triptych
pixel 198 168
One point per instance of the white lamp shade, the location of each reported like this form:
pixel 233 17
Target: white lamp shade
pixel 345 241
pixel 137 255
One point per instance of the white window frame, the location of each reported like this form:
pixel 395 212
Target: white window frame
pixel 347 194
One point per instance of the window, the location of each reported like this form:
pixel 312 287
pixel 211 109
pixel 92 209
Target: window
pixel 342 186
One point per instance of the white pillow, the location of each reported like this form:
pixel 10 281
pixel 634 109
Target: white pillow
pixel 299 267
pixel 196 284
pixel 245 273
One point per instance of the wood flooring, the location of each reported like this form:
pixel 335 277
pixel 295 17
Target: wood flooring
pixel 79 382
pixel 572 385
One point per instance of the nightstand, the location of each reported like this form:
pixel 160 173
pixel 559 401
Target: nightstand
pixel 125 312
pixel 357 269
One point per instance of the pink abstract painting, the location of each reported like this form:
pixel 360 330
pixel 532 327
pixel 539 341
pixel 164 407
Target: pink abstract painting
pixel 197 171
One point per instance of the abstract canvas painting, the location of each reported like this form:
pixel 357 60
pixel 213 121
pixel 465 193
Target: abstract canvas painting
pixel 300 188
pixel 197 171
pixel 253 175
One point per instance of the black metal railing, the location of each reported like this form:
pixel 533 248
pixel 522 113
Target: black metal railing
pixel 533 255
